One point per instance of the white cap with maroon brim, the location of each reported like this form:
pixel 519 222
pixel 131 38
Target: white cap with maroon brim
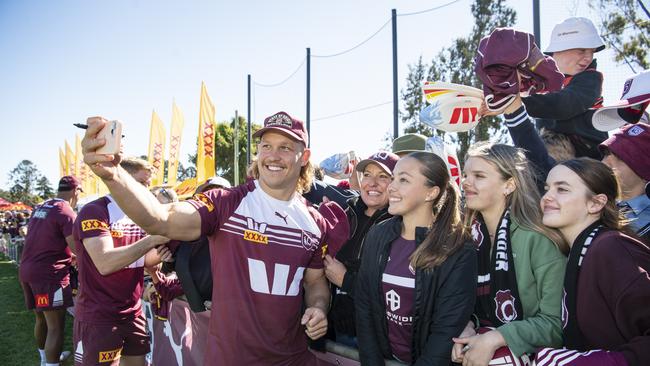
pixel 630 108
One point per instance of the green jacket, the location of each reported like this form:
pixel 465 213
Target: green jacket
pixel 539 265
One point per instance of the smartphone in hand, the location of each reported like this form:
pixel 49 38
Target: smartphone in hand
pixel 112 132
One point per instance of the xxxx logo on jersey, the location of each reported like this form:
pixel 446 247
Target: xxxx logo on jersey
pixel 204 200
pixel 87 225
pixel 255 237
pixel 109 356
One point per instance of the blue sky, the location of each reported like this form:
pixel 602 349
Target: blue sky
pixel 63 61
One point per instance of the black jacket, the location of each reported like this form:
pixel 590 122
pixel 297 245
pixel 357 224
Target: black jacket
pixel 568 111
pixel 444 300
pixel 342 312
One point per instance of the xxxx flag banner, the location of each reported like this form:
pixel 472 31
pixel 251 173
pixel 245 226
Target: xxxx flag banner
pixel 157 149
pixel 91 184
pixel 205 159
pixel 175 134
pixel 82 168
pixel 69 160
pixel 61 163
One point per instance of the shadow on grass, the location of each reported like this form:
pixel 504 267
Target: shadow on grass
pixel 17 323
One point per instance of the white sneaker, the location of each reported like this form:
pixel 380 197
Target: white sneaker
pixel 64 356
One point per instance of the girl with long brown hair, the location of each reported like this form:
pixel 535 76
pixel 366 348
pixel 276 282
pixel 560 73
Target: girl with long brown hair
pixel 605 312
pixel 416 285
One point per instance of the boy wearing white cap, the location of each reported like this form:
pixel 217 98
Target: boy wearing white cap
pixel 568 111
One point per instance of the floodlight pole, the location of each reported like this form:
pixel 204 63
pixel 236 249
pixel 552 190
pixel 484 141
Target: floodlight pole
pixel 236 148
pixel 308 114
pixel 395 100
pixel 536 30
pixel 248 128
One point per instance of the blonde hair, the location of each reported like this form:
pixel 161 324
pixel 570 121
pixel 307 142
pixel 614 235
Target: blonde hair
pixel 304 180
pixel 523 202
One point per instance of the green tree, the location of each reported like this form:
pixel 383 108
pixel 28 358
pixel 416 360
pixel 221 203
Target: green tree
pixel 226 148
pixel 456 64
pixel 23 180
pixel 44 188
pixel 625 27
pixel 224 151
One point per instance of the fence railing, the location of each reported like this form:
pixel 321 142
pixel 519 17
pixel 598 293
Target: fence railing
pixel 12 248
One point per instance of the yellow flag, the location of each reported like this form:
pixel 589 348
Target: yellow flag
pixel 175 134
pixel 81 167
pixel 61 163
pixel 69 160
pixel 91 184
pixel 205 159
pixel 157 149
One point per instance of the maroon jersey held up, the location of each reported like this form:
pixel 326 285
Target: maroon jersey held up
pixel 260 249
pixel 46 256
pixel 114 298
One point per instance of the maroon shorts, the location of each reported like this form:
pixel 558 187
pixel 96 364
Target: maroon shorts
pixel 104 344
pixel 43 296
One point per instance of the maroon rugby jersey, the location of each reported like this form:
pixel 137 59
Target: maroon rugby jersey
pixel 46 256
pixel 398 285
pixel 260 248
pixel 115 297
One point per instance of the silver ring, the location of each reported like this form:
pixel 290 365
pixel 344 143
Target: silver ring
pixel 466 348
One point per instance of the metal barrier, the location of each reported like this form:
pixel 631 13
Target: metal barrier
pixel 15 249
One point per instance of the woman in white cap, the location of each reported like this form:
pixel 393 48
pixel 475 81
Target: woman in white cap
pixel 568 111
pixel 520 261
pixel 605 308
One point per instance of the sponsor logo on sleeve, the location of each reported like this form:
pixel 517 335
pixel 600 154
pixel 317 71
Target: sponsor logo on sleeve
pixel 109 356
pixel 117 233
pixel 88 225
pixel 42 300
pixel 200 197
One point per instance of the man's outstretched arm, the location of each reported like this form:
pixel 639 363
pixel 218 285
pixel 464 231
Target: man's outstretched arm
pixel 108 259
pixel 176 220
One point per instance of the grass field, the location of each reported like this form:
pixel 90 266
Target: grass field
pixel 17 323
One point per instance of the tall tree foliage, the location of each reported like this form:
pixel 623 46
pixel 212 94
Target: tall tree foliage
pixel 224 151
pixel 44 188
pixel 24 180
pixel 625 27
pixel 456 64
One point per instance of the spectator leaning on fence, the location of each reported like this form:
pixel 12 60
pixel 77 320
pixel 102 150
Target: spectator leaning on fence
pixel 45 268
